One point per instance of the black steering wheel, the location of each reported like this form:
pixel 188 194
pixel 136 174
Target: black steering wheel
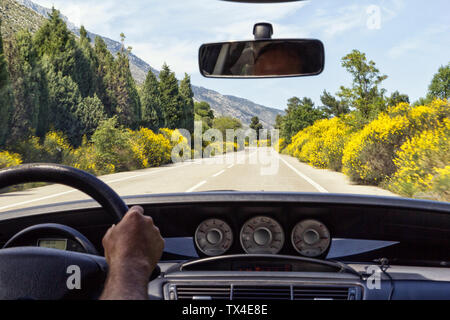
pixel 49 274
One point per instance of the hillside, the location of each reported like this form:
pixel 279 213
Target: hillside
pixel 19 14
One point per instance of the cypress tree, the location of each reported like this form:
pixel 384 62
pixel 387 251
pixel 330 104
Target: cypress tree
pixel 29 115
pixel 188 103
pixel 128 105
pixel 151 105
pixel 171 102
pixel 104 72
pixel 5 95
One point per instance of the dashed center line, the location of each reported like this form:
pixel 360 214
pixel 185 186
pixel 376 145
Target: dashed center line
pixel 230 166
pixel 196 186
pixel 219 173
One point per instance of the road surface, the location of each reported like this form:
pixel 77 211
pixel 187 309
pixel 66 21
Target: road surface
pixel 257 169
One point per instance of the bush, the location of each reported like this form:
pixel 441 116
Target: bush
pixel 56 148
pixel 423 165
pixel 149 149
pixel 179 145
pixel 30 150
pixel 368 157
pixel 321 144
pixel 8 159
pixel 281 145
pixel 112 148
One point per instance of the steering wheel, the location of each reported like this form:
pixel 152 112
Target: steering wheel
pixel 49 274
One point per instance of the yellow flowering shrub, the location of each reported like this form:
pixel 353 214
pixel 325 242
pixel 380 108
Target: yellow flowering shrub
pixel 264 143
pixel 8 159
pixel 368 157
pixel 423 165
pixel 281 145
pixel 86 158
pixel 180 146
pixel 149 149
pixel 57 148
pixel 217 148
pixel 321 144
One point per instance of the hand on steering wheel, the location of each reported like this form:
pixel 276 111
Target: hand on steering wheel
pixel 41 273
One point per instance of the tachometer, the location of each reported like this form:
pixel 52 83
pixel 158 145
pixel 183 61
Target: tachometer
pixel 311 238
pixel 262 235
pixel 214 237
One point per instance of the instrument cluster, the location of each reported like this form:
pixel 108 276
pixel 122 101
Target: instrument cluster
pixel 263 235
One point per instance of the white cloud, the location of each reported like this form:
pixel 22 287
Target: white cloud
pixel 429 39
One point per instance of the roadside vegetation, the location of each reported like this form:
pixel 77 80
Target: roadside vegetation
pixel 67 99
pixel 375 139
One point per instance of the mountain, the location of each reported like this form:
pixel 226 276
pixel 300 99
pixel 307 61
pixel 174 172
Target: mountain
pixel 19 14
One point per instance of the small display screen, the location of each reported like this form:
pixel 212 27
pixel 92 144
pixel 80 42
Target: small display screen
pixel 263 267
pixel 60 244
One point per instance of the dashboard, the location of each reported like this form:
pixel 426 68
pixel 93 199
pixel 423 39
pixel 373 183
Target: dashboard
pixel 270 246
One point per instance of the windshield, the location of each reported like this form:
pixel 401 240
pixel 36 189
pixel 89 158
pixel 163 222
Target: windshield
pixel 114 88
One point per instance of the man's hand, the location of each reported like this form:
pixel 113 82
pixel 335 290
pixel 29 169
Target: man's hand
pixel 132 250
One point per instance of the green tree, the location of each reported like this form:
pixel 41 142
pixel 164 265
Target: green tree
pixel 29 115
pixel 187 97
pixel 64 99
pixel 90 114
pixel 89 66
pixel 333 107
pixel 204 113
pixel 105 73
pixel 171 102
pixel 365 94
pixel 300 113
pixel 440 85
pixel 226 123
pixel 112 145
pixel 151 105
pixel 57 43
pixel 396 98
pixel 256 125
pixel 5 95
pixel 127 106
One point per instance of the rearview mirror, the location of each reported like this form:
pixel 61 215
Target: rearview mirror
pixel 262 58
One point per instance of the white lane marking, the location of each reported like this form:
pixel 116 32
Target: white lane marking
pixel 36 200
pixel 231 166
pixel 147 173
pixel 196 186
pixel 56 195
pixel 218 173
pixel 309 180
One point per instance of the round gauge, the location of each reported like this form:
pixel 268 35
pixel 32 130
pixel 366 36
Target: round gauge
pixel 311 238
pixel 262 235
pixel 213 237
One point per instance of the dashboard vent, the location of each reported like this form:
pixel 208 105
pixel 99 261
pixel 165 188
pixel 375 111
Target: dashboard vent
pixel 323 293
pixel 261 293
pixel 203 292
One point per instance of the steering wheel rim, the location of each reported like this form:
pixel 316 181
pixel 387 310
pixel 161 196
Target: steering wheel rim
pixel 68 176
pixel 41 273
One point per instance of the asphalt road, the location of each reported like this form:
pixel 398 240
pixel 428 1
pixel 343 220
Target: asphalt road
pixel 260 169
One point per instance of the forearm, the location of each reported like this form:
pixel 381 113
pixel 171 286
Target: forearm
pixel 126 284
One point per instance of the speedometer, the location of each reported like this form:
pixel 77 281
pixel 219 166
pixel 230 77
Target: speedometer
pixel 214 237
pixel 262 235
pixel 311 238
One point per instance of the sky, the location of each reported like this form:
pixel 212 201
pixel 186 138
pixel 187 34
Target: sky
pixel 408 39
